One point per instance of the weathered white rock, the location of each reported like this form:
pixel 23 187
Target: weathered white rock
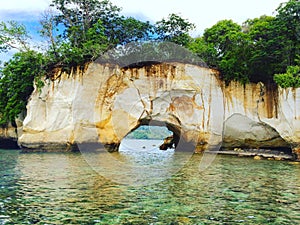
pixel 105 102
pixel 240 131
pixel 276 107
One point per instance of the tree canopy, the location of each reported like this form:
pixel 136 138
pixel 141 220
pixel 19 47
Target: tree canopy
pixel 77 32
pixel 13 35
pixel 255 50
pixel 174 29
pixel 16 83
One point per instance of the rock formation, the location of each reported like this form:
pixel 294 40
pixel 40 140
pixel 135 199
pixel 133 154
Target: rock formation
pixel 104 103
pixel 242 132
pixel 169 142
pixel 9 137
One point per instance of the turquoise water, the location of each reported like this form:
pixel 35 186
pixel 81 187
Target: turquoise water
pixel 50 188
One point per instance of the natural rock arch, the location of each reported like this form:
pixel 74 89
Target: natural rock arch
pixel 183 97
pixel 105 102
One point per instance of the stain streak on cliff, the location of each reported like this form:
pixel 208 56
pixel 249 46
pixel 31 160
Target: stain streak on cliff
pixel 108 91
pixel 271 98
pixel 209 105
pixel 204 110
pixel 295 100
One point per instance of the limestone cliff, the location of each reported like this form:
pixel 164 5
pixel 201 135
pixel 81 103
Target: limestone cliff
pixel 105 102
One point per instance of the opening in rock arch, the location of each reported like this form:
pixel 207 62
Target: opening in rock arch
pixel 167 135
pixel 143 146
pixel 149 138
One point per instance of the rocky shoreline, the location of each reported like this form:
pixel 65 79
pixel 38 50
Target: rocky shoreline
pixel 258 154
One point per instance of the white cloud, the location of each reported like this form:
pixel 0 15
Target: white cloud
pixel 21 5
pixel 21 10
pixel 203 13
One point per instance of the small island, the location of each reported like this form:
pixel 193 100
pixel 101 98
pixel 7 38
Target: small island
pixel 107 118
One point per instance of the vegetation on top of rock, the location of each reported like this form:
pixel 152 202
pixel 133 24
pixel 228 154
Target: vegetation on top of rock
pixel 79 31
pixel 16 84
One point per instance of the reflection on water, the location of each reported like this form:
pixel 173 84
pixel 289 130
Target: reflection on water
pixel 139 162
pixel 63 189
pixel 141 152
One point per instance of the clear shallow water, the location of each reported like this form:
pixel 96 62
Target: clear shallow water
pixel 51 188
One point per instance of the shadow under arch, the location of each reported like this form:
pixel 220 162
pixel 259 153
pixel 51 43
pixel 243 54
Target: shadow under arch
pixel 252 134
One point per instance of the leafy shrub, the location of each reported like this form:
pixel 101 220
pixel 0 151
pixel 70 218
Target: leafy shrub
pixel 289 79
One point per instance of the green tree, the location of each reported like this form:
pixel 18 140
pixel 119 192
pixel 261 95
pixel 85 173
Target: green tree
pixel 291 78
pixel 16 83
pixel 228 49
pixel 203 50
pixel 289 29
pixel 50 32
pixel 78 22
pixel 222 35
pixel 13 35
pixel 78 16
pixel 265 52
pixel 174 29
pixel 91 28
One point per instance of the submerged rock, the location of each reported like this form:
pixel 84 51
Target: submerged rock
pixel 257 157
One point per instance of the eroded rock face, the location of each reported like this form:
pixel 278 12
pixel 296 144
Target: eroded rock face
pixel 275 107
pixel 181 96
pixel 104 103
pixel 242 132
pixel 107 102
